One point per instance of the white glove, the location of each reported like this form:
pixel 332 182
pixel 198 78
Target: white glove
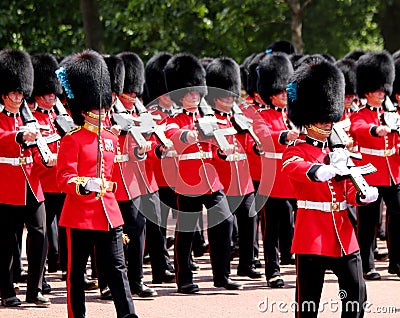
pixel 94 185
pixel 325 173
pixel 371 195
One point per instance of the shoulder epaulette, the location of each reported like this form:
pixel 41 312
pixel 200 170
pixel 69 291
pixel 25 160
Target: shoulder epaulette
pixel 74 130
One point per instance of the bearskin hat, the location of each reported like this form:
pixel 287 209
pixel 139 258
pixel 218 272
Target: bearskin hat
pixel 252 74
pixel 354 55
pixel 45 78
pixel 348 67
pixel 116 68
pixel 154 76
pixel 134 73
pixel 396 55
pixel 375 71
pixel 16 72
pixel 183 71
pixel 316 94
pixel 86 82
pixel 274 71
pixel 224 74
pixel 396 83
pixel 281 46
pixel 244 71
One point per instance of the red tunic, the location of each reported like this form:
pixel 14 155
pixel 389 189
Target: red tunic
pixel 47 175
pixel 195 176
pixel 388 166
pixel 234 171
pixel 14 178
pixel 78 158
pixel 318 232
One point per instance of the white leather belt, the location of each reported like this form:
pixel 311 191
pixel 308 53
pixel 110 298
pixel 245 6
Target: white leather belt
pixel 236 157
pixel 121 158
pixel 273 155
pixel 322 206
pixel 195 155
pixel 171 154
pixel 378 152
pixel 16 161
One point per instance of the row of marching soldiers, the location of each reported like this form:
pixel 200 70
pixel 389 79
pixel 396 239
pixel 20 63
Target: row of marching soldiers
pixel 119 170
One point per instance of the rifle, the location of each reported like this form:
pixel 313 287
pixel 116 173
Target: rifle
pixel 341 159
pixel 339 130
pixel 41 143
pixel 243 124
pixel 128 123
pixel 390 116
pixel 63 121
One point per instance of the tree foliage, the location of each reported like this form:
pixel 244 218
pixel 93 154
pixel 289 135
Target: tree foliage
pixel 233 28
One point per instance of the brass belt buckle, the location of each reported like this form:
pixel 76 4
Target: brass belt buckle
pixel 335 206
pixel 22 160
pixel 387 152
pixel 202 155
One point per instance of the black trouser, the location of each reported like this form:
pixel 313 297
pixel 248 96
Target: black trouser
pixel 244 210
pixel 368 219
pixel 259 202
pixel 278 217
pixel 54 203
pixel 110 252
pixel 33 214
pixel 17 261
pixel 155 240
pixel 134 227
pixel 310 271
pixel 219 220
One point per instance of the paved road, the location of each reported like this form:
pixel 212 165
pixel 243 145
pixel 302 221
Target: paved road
pixel 255 300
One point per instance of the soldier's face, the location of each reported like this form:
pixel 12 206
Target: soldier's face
pixel 191 101
pixel 376 98
pixel 46 101
pixel 348 100
pixel 12 101
pixel 128 100
pixel 279 100
pixel 224 104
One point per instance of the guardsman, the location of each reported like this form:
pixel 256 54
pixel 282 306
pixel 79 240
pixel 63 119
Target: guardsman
pixel 46 87
pixel 161 105
pixel 324 237
pixel 149 197
pixel 21 195
pixel 379 146
pixel 273 72
pixel 197 182
pixel 84 169
pixel 233 169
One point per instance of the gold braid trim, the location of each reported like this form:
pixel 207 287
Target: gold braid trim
pixel 319 130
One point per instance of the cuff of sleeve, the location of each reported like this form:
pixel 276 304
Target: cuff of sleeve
pixel 19 137
pixel 282 137
pixel 138 155
pixel 373 131
pixel 311 172
pixel 256 150
pixel 183 136
pixel 159 152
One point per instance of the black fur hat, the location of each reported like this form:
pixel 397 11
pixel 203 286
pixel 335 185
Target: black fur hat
pixel 154 76
pixel 45 78
pixel 316 94
pixel 222 73
pixel 134 73
pixel 396 55
pixel 86 82
pixel 252 74
pixel 116 68
pixel 375 71
pixel 184 70
pixel 244 71
pixel 16 72
pixel 354 55
pixel 281 46
pixel 273 71
pixel 348 67
pixel 396 83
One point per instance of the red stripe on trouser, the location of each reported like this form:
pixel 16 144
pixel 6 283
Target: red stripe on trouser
pixel 69 251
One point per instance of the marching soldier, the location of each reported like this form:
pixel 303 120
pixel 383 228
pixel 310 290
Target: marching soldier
pixel 379 146
pixel 197 181
pixel 85 162
pixel 324 237
pixel 233 169
pixel 273 72
pixel 21 197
